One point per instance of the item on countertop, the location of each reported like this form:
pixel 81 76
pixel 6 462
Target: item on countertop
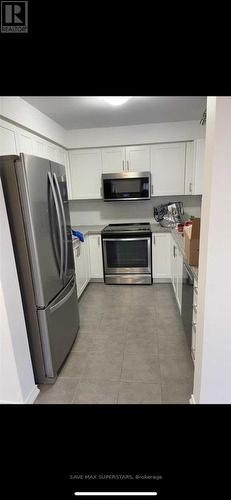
pixel 169 214
pixel 78 234
pixel 181 225
pixel 192 241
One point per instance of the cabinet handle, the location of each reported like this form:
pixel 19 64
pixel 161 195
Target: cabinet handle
pixel 152 188
pixel 174 251
pixel 101 192
pixel 123 164
pixel 78 251
pixel 154 239
pixel 190 187
pixel 98 241
pixel 127 165
pixel 195 308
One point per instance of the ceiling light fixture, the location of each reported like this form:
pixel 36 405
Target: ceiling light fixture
pixel 116 101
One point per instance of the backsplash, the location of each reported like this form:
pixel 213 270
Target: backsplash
pixel 84 212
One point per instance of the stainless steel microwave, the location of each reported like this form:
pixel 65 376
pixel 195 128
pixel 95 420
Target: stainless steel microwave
pixel 126 186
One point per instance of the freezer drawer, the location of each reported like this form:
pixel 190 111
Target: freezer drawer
pixel 59 324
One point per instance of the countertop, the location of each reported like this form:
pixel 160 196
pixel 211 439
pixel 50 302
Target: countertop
pixel 89 229
pixel 96 229
pixel 155 228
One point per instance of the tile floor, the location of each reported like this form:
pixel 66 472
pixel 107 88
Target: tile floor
pixel 130 349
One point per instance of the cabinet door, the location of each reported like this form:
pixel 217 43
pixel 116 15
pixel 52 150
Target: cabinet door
pixel 25 142
pixel 68 177
pixel 168 169
pixel 60 156
pixel 75 252
pixel 161 256
pixel 40 147
pixel 87 259
pixel 7 141
pixel 199 165
pixel 51 152
pixel 138 158
pixel 95 256
pixel 81 268
pixel 189 169
pixel 179 271
pixel 85 173
pixel 113 160
pixel 174 267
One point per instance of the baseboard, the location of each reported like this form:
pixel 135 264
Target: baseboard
pixel 192 400
pixel 96 280
pixel 32 396
pixel 28 401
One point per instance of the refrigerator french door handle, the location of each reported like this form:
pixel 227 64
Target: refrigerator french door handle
pixel 64 220
pixel 59 223
pixel 62 301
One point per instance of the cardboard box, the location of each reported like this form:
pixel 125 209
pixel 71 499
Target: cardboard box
pixel 192 241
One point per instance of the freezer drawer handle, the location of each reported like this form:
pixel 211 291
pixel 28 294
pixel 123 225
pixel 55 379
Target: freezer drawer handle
pixel 62 301
pixel 59 223
pixel 64 220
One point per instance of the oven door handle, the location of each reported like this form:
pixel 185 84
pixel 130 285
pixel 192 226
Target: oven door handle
pixel 127 239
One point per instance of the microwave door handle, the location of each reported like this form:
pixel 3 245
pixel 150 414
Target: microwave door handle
pixel 64 220
pixel 59 223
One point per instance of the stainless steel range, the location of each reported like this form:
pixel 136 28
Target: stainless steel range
pixel 127 253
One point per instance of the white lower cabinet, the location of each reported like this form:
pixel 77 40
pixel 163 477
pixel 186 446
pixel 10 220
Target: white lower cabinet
pixel 95 256
pixel 177 272
pixel 194 322
pixel 88 261
pixel 81 265
pixel 161 247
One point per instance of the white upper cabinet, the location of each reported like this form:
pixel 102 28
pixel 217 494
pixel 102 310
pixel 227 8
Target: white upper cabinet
pixel 25 142
pixel 138 158
pixel 85 173
pixel 199 165
pixel 189 168
pixel 113 160
pixel 168 169
pixel 40 147
pixel 60 156
pixel 51 152
pixel 8 144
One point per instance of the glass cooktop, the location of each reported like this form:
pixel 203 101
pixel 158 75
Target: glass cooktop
pixel 134 227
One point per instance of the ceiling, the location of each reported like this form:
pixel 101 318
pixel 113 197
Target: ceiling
pixel 89 112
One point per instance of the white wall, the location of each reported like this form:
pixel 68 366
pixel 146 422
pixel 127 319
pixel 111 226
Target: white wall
pixel 100 212
pixel 21 112
pixel 17 383
pixel 135 134
pixel 212 382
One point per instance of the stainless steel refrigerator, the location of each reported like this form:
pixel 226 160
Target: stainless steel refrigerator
pixel 36 198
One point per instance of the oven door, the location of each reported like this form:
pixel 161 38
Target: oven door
pixel 127 255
